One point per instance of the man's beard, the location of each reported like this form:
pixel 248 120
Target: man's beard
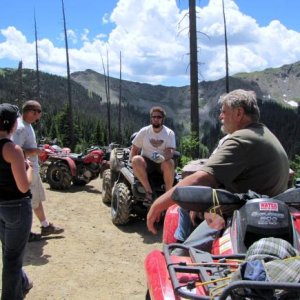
pixel 156 125
pixel 223 129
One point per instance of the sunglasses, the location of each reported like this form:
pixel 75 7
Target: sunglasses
pixel 156 117
pixel 36 110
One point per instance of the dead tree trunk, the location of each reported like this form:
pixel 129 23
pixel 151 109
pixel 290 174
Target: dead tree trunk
pixel 120 99
pixel 226 50
pixel 69 82
pixel 20 84
pixel 38 94
pixel 194 74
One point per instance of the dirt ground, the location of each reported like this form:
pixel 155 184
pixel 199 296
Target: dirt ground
pixel 92 259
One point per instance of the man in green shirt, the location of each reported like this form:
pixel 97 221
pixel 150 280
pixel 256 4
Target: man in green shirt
pixel 250 158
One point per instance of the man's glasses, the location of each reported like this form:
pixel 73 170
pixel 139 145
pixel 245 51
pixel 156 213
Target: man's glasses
pixel 156 117
pixel 36 110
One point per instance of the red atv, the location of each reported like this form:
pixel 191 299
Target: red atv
pixel 203 270
pixel 77 168
pixel 49 150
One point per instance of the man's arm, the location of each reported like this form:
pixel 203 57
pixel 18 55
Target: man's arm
pixel 133 151
pixel 165 200
pixel 168 153
pixel 32 152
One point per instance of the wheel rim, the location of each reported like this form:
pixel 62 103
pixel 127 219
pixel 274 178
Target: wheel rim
pixel 57 175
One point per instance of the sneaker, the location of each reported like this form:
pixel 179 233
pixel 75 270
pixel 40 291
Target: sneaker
pixel 34 237
pixel 51 229
pixel 28 287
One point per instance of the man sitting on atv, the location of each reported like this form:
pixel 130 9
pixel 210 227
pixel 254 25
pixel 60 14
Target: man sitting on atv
pixel 152 150
pixel 250 158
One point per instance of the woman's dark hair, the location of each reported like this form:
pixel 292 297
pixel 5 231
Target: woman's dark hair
pixel 8 116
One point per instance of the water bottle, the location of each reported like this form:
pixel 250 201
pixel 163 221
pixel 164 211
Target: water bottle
pixel 158 158
pixel 154 155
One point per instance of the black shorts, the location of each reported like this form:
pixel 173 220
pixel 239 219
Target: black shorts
pixel 152 167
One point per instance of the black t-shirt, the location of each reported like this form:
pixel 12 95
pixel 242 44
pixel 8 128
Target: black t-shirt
pixel 8 186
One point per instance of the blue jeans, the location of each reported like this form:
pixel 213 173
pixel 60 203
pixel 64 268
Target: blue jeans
pixel 185 225
pixel 15 225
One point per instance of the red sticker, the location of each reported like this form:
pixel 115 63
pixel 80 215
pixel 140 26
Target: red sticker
pixel 269 206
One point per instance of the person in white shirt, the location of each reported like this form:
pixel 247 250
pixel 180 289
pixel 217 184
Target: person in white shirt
pixel 152 150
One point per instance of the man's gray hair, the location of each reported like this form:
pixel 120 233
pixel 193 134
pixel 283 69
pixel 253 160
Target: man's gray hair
pixel 245 99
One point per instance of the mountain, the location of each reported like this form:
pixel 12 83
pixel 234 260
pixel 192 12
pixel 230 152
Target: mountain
pixel 280 85
pixel 277 89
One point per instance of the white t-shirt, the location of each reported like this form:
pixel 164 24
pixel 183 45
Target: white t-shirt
pixel 149 141
pixel 26 139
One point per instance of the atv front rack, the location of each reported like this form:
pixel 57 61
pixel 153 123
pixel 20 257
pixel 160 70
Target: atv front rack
pixel 198 275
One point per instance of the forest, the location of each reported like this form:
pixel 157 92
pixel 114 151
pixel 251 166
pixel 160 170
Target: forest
pixel 91 116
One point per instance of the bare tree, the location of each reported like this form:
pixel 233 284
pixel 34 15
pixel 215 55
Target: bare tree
pixel 71 125
pixel 37 62
pixel 226 49
pixel 107 92
pixel 194 74
pixel 120 99
pixel 108 98
pixel 20 84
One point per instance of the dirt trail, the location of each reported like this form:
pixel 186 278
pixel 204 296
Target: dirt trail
pixel 92 259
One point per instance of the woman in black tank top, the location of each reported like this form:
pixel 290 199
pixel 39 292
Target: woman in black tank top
pixel 15 207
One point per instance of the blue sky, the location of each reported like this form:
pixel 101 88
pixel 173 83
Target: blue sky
pixel 151 35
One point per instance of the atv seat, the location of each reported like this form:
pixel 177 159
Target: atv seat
pixel 201 198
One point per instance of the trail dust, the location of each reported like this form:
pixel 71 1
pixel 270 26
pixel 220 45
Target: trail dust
pixel 92 259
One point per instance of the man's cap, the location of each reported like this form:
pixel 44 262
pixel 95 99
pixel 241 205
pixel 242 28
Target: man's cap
pixel 8 113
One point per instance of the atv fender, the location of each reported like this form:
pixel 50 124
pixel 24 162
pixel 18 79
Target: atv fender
pixel 127 174
pixel 70 162
pixel 159 285
pixel 170 224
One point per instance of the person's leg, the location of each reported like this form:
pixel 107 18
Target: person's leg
pixel 38 197
pixel 139 167
pixel 185 226
pixel 202 237
pixel 17 220
pixel 40 213
pixel 168 170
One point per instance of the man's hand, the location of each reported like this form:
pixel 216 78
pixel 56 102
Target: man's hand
pixel 168 153
pixel 193 216
pixel 153 217
pixel 214 220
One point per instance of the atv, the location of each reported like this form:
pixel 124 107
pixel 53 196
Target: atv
pixel 76 168
pixel 205 269
pixel 47 151
pixel 124 191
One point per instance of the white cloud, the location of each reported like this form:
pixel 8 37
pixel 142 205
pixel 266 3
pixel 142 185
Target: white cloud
pixel 153 39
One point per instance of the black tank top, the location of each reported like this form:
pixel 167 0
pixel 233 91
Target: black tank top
pixel 8 186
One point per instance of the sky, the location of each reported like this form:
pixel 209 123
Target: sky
pixel 149 37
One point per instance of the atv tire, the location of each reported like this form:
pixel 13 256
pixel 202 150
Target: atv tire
pixel 43 171
pixel 59 177
pixel 120 204
pixel 106 187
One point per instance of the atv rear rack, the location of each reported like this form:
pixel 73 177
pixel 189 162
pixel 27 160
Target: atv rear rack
pixel 198 275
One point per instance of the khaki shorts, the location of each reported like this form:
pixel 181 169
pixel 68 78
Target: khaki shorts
pixel 37 191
